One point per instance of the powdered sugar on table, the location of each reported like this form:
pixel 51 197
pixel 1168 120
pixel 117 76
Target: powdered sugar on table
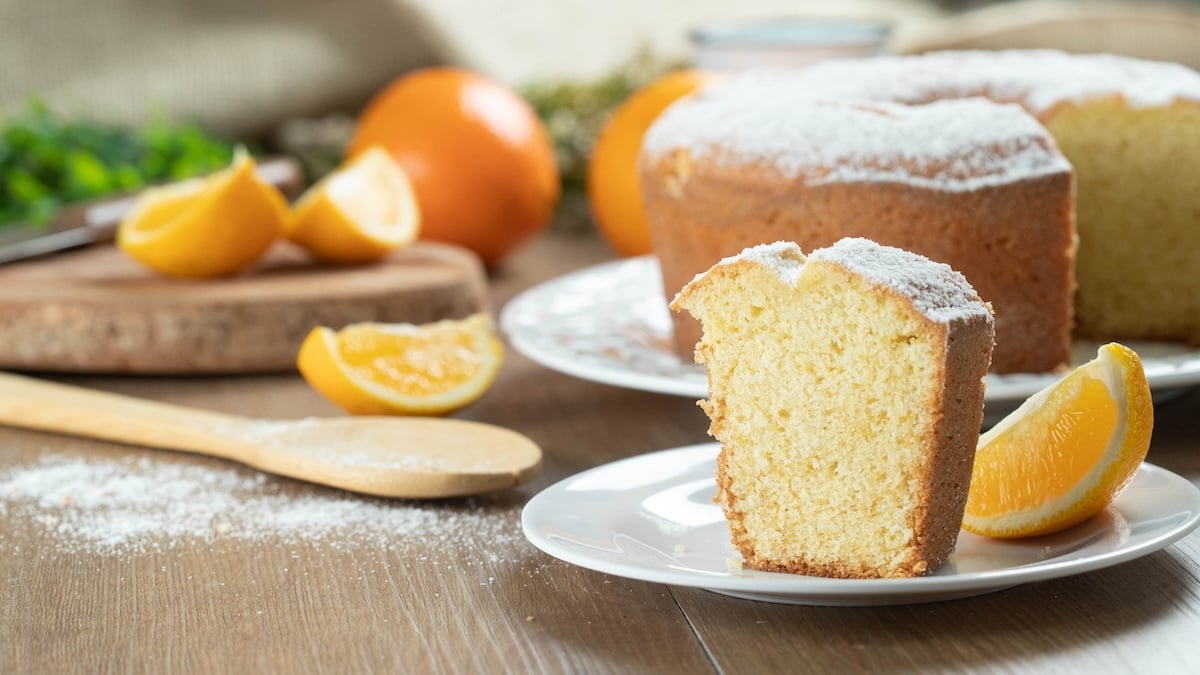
pixel 135 504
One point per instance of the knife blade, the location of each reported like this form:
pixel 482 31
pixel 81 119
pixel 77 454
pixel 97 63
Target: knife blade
pixel 97 222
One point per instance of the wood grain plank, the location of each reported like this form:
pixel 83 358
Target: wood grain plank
pixel 1109 621
pixel 478 598
pixel 96 310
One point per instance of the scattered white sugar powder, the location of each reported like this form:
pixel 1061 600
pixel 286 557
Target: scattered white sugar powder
pixel 936 290
pixel 343 446
pixel 1039 79
pixel 872 120
pixel 952 145
pixel 784 257
pixel 123 505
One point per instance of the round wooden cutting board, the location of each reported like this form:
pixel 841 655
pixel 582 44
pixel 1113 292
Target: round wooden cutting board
pixel 96 310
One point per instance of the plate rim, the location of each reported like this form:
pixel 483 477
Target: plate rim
pixel 1009 388
pixel 777 586
pixel 655 384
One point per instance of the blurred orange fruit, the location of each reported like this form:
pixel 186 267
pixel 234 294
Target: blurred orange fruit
pixel 478 156
pixel 1066 453
pixel 205 227
pixel 403 369
pixel 358 213
pixel 612 180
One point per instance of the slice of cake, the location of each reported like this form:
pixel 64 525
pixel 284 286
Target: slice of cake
pixel 846 390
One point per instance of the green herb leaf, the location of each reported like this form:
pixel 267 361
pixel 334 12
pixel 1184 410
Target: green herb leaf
pixel 47 162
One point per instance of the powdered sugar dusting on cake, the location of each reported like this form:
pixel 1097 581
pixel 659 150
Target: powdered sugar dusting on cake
pixel 950 145
pixel 783 257
pixel 936 290
pixel 1038 79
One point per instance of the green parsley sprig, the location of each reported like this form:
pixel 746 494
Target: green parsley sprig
pixel 47 162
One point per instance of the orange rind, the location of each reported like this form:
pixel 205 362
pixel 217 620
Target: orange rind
pixel 209 227
pixel 1066 452
pixel 403 369
pixel 359 213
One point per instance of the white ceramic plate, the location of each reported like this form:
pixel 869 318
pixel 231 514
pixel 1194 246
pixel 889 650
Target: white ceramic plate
pixel 610 324
pixel 651 517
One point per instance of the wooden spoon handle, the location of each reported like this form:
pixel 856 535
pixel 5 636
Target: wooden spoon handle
pixel 34 404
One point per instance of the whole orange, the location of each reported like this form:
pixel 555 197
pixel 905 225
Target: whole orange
pixel 481 163
pixel 612 181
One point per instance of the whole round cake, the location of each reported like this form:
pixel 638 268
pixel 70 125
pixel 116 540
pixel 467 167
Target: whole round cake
pixel 976 185
pixel 1129 129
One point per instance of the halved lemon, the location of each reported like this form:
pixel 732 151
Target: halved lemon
pixel 358 213
pixel 1066 452
pixel 403 369
pixel 206 227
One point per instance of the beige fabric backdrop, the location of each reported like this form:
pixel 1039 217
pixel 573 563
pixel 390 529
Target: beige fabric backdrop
pixel 237 65
pixel 1161 31
pixel 241 66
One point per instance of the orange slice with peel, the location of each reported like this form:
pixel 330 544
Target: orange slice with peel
pixel 403 369
pixel 207 227
pixel 1066 452
pixel 358 213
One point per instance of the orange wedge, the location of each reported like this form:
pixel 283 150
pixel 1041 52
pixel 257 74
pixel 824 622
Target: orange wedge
pixel 209 227
pixel 403 369
pixel 359 213
pixel 1066 453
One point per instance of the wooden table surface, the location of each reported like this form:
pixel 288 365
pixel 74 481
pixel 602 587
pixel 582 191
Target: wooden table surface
pixel 476 597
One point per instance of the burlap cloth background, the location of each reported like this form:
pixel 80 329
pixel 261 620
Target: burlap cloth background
pixel 242 66
pixel 238 66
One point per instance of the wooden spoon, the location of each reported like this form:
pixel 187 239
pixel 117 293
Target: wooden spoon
pixel 385 456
